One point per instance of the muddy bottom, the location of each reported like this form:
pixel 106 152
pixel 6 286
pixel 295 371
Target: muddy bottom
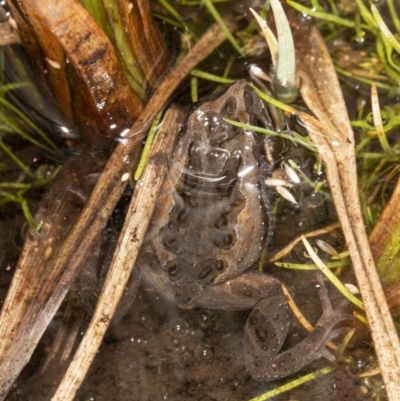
pixel 159 352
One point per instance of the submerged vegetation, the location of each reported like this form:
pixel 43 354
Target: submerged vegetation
pixel 17 127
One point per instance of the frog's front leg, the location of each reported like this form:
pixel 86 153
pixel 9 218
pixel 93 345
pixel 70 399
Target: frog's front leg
pixel 261 350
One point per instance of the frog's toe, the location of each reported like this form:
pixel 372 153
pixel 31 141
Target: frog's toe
pixel 331 319
pixel 324 352
pixel 337 332
pixel 330 316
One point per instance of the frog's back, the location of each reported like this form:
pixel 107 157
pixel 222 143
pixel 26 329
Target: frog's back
pixel 208 224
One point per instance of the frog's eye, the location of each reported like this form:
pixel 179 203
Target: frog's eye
pixel 229 108
pixel 248 97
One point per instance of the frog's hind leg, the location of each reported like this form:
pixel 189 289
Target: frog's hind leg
pixel 264 334
pixel 264 361
pixel 330 318
pixel 242 292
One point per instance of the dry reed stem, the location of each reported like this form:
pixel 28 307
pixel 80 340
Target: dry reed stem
pixel 135 227
pixel 321 92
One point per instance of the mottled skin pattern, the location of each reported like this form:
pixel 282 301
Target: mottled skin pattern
pixel 210 224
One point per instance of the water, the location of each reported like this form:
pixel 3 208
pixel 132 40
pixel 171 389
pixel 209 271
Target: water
pixel 158 351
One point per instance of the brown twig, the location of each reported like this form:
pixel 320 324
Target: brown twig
pixel 130 241
pixel 288 248
pixel 8 34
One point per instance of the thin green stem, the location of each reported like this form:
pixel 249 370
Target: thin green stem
pixel 15 159
pixel 194 83
pixel 322 15
pixel 211 77
pixel 147 146
pixel 394 15
pixel 125 54
pixel 213 11
pixel 384 29
pixel 29 217
pixel 293 384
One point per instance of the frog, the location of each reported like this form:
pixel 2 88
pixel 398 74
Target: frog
pixel 210 223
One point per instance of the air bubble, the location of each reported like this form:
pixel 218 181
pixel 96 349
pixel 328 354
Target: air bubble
pixel 178 328
pixel 206 319
pixel 204 352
